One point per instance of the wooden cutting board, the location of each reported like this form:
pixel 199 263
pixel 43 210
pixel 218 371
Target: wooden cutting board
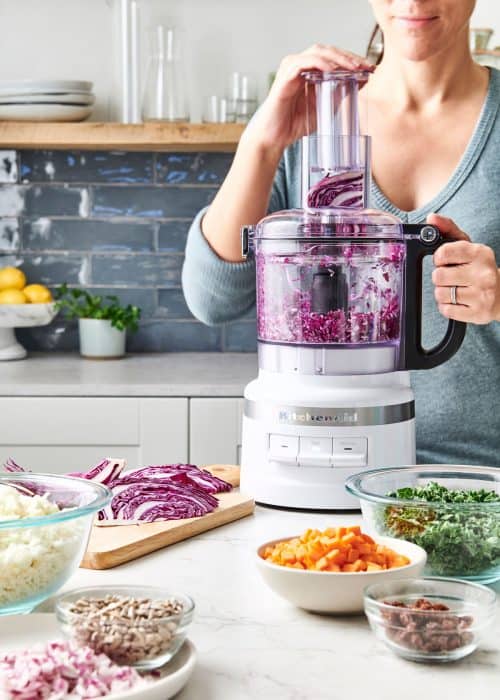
pixel 113 545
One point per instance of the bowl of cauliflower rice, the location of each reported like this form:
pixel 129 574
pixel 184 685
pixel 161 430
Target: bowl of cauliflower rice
pixel 45 523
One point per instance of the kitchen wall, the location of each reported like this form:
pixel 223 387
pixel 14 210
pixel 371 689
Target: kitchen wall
pixel 115 223
pixel 75 39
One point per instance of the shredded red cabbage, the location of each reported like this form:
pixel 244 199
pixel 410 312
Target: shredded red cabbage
pixel 338 190
pixel 373 309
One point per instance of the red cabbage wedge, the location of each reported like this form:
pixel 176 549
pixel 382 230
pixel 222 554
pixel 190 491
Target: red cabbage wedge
pixel 338 190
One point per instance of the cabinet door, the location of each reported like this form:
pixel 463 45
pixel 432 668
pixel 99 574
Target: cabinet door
pixel 63 434
pixel 163 431
pixel 215 430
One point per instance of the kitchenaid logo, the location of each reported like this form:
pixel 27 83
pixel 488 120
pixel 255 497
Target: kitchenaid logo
pixel 333 418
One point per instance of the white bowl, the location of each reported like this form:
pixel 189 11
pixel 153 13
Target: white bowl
pixel 44 112
pixel 21 315
pixel 336 592
pixel 26 87
pixel 65 98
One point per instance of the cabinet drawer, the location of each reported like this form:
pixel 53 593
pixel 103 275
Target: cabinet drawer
pixel 69 421
pixel 71 434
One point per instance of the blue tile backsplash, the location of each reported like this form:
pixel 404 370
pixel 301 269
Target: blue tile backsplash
pixel 115 223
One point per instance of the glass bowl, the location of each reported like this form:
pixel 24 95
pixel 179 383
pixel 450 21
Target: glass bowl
pixel 139 626
pixel 427 633
pixel 38 554
pixel 461 539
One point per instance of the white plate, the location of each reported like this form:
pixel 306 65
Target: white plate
pixel 26 631
pixel 43 97
pixel 45 113
pixel 29 86
pixel 19 315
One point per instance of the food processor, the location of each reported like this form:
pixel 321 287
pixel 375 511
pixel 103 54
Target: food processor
pixel 339 320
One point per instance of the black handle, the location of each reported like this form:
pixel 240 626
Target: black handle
pixel 247 234
pixel 422 240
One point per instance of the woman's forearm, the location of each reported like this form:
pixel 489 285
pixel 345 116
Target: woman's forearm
pixel 243 197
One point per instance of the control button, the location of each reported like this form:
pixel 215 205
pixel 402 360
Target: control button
pixel 283 448
pixel 350 452
pixel 429 235
pixel 315 452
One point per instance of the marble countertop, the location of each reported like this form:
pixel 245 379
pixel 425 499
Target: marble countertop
pixel 160 374
pixel 252 644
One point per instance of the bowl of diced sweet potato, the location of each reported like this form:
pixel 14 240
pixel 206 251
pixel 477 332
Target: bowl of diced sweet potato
pixel 327 571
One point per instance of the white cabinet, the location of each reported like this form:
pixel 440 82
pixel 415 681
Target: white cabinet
pixel 215 430
pixel 66 434
pixel 61 434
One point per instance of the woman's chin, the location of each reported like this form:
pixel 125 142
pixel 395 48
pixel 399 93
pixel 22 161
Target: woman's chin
pixel 419 49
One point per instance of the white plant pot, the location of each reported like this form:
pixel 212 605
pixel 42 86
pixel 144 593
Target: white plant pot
pixel 99 340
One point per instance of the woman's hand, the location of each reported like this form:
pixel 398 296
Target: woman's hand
pixel 281 119
pixel 469 267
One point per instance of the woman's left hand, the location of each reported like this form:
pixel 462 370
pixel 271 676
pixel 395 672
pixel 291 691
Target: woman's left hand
pixel 469 267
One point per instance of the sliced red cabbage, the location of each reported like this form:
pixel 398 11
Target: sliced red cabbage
pixel 161 492
pixel 11 466
pixel 28 488
pixel 338 190
pixel 106 472
pixel 153 501
pixel 184 474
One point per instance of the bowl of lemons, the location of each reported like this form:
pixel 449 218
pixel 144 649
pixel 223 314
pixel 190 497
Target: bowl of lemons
pixel 21 305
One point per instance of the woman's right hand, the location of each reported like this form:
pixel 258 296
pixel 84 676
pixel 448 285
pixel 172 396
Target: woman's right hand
pixel 281 119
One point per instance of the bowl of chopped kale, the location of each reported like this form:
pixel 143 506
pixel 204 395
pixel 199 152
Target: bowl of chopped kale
pixel 453 512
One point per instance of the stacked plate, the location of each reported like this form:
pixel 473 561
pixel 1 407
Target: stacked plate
pixel 45 100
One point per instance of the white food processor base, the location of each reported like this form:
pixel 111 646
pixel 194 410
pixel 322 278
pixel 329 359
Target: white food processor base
pixel 10 349
pixel 304 435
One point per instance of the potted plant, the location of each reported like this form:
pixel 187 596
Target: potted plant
pixel 102 321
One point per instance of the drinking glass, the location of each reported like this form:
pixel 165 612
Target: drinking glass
pixel 217 110
pixel 242 97
pixel 165 91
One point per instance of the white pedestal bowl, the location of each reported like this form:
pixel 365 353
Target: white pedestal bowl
pixel 21 316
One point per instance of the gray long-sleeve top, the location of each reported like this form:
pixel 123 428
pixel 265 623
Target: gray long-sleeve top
pixel 458 403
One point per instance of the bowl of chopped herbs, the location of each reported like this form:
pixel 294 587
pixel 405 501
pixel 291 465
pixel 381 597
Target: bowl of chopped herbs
pixel 453 512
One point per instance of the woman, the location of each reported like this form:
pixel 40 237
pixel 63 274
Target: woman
pixel 436 142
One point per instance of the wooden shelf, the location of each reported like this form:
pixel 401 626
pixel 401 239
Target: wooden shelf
pixel 106 136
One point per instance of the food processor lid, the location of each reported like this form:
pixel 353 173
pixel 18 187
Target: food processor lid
pixel 331 224
pixel 316 76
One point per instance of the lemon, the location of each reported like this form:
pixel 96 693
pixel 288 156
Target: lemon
pixel 12 278
pixel 37 294
pixel 12 296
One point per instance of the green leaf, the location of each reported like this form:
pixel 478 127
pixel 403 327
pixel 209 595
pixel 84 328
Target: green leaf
pixel 80 303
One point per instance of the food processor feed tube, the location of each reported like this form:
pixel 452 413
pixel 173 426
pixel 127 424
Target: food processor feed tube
pixel 338 321
pixel 336 158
